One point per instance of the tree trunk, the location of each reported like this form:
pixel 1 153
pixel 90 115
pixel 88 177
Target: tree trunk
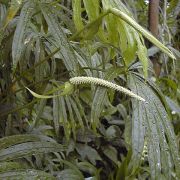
pixel 153 20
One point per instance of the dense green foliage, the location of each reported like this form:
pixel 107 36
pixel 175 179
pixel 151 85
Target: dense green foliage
pixel 52 129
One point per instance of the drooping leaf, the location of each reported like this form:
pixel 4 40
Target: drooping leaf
pixel 141 30
pixel 18 44
pixel 60 39
pixel 92 9
pixel 97 106
pixel 17 139
pixel 29 174
pixel 142 54
pixel 77 15
pixel 29 148
pixel 13 9
pixel 151 120
pixel 68 89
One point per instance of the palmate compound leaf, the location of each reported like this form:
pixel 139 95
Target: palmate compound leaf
pixel 68 111
pixel 60 39
pixel 130 32
pixel 120 34
pixel 150 123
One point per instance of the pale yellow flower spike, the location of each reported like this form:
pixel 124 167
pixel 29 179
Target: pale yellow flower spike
pixel 102 82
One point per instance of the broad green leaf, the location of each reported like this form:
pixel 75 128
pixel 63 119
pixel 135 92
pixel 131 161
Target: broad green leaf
pixel 29 174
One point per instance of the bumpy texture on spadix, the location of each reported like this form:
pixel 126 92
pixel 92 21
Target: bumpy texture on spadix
pixel 101 82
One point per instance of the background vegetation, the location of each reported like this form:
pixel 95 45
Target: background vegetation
pixel 90 132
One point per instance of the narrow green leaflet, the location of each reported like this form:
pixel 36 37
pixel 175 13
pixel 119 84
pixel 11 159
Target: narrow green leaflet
pixel 29 174
pixel 92 9
pixel 63 119
pixel 60 39
pixel 18 44
pixel 142 54
pixel 71 116
pixel 151 122
pixel 68 89
pixel 13 9
pixel 97 106
pixel 122 34
pixel 141 30
pixel 69 113
pixel 77 14
pixel 41 96
pixel 17 139
pixel 29 148
pixel 138 130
